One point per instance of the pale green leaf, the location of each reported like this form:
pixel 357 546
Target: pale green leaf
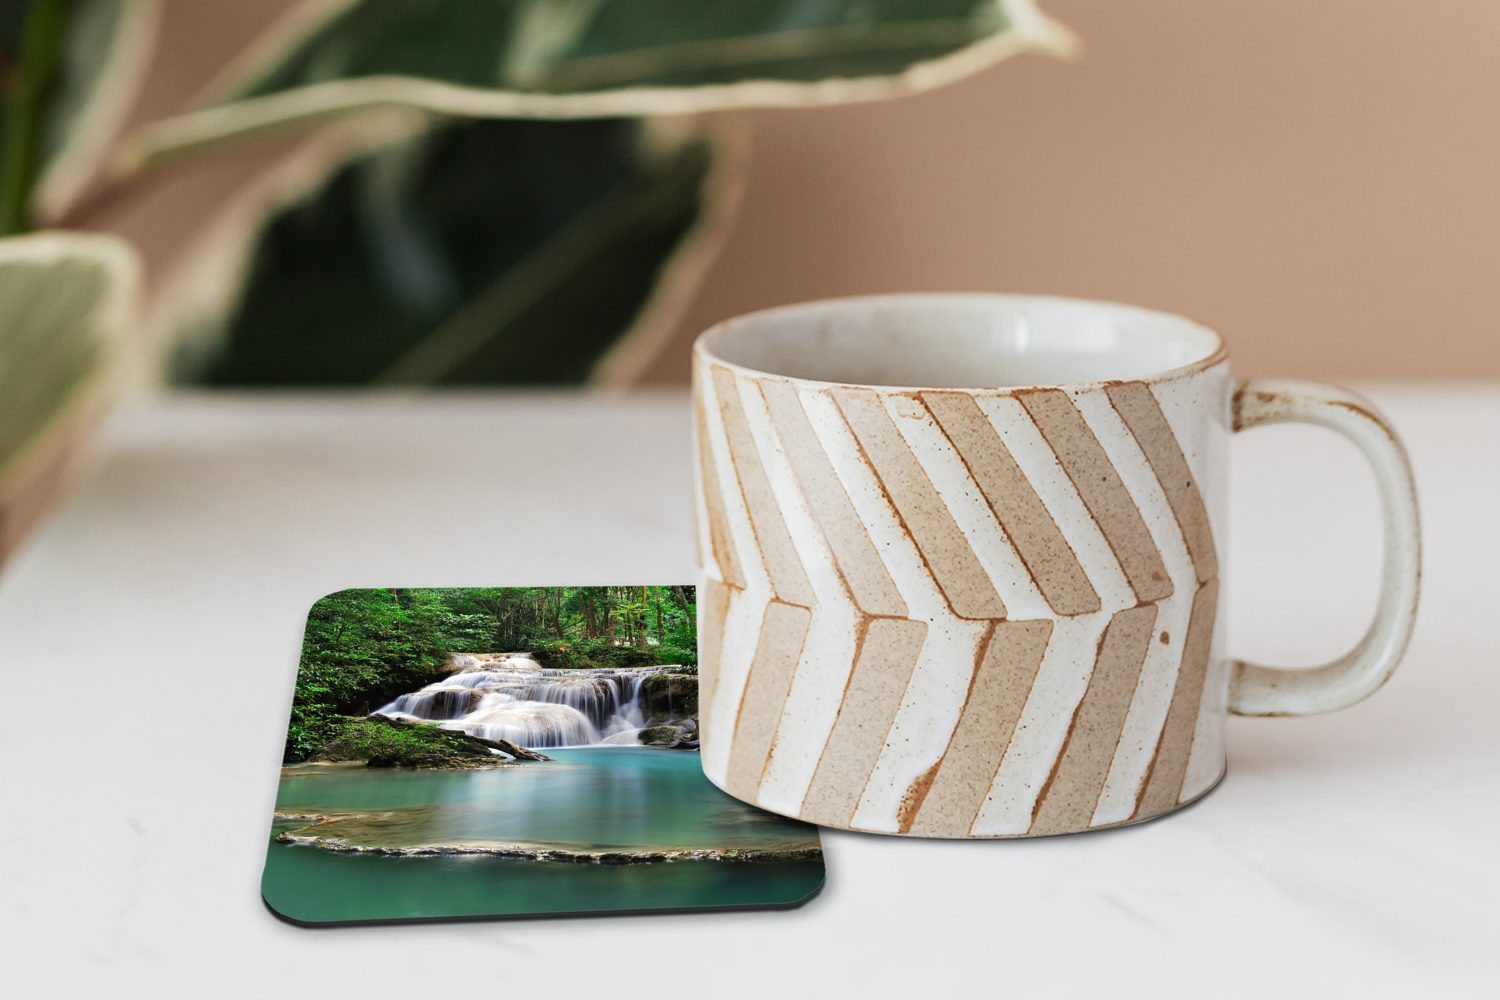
pixel 590 58
pixel 66 302
pixel 109 44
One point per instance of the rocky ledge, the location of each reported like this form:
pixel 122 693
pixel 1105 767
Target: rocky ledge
pixel 383 741
pixel 669 695
pixel 540 852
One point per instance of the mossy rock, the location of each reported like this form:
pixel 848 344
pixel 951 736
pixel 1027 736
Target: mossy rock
pixel 381 741
pixel 683 737
pixel 658 736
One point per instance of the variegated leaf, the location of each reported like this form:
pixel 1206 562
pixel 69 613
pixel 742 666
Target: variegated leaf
pixel 590 58
pixel 67 301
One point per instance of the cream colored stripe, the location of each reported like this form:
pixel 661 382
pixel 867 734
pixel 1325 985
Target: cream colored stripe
pixel 1099 484
pixel 1063 676
pixel 1184 403
pixel 951 644
pixel 945 470
pixel 1059 686
pixel 703 556
pixel 886 654
pixel 1019 433
pixel 944 549
pixel 711 488
pixel 925 721
pixel 742 625
pixel 871 504
pixel 817 687
pixel 1148 709
pixel 1031 527
pixel 812 706
pixel 1141 413
pixel 1068 800
pixel 777 651
pixel 865 575
pixel 997 692
pixel 1153 694
pixel 713 606
pixel 1163 785
pixel 747 607
pixel 1206 762
pixel 785 570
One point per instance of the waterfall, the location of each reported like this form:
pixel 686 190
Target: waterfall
pixel 509 696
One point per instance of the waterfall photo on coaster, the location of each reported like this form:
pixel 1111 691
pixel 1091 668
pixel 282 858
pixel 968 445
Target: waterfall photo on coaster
pixel 507 751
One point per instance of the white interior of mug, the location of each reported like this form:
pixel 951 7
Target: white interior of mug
pixel 961 341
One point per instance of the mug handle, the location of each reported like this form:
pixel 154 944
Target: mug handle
pixel 1258 690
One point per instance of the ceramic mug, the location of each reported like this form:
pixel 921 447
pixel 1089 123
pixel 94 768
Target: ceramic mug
pixel 960 560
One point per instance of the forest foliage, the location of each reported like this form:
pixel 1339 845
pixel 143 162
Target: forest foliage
pixel 364 647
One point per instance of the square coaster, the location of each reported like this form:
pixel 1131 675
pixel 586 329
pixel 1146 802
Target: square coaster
pixel 511 751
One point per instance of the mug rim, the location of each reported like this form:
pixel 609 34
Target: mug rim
pixel 704 344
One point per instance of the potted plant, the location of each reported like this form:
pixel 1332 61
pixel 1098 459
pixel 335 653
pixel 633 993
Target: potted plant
pixel 476 191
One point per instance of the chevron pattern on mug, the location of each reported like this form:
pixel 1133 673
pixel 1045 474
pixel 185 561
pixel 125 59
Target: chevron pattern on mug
pixel 943 611
pixel 960 613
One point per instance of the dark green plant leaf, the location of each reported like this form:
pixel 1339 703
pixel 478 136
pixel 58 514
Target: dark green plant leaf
pixel 69 70
pixel 587 58
pixel 477 252
pixel 32 37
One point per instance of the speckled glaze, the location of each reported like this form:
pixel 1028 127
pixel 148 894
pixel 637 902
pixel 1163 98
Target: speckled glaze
pixel 933 609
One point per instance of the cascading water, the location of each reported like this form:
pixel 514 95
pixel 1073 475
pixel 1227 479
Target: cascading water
pixel 509 696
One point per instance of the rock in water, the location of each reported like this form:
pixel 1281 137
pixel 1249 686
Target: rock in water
pixel 684 737
pixel 507 747
pixel 658 736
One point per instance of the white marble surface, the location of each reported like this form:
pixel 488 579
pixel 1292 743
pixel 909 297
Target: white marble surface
pixel 149 635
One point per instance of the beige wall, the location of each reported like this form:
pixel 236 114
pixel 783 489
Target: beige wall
pixel 1318 179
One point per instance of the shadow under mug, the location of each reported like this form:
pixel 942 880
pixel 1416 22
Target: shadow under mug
pixel 960 562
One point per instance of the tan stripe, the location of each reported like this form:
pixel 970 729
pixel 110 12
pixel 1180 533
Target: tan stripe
pixel 1162 786
pixel 914 796
pixel 719 539
pixel 1097 482
pixel 1142 414
pixel 1068 799
pixel 949 557
pixel 1032 529
pixel 885 657
pixel 788 579
pixel 777 651
pixel 869 582
pixel 997 692
pixel 713 598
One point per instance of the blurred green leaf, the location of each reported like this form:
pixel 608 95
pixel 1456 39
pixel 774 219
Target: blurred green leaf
pixel 109 45
pixel 31 43
pixel 68 70
pixel 65 302
pixel 590 58
pixel 478 251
